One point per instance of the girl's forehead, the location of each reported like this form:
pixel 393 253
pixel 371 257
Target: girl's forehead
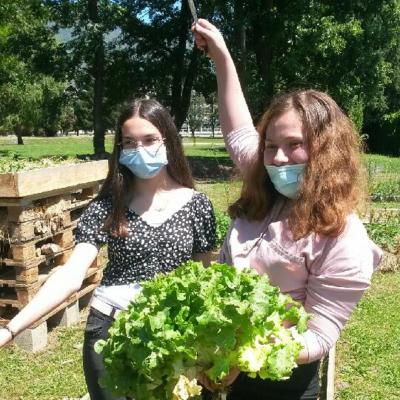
pixel 137 126
pixel 284 126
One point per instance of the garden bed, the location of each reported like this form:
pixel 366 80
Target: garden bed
pixel 50 180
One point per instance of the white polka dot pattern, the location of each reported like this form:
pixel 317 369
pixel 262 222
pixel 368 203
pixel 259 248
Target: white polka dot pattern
pixel 148 249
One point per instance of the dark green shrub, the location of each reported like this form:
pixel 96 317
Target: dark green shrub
pixel 223 222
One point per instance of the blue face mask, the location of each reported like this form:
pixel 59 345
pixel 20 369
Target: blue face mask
pixel 145 162
pixel 286 179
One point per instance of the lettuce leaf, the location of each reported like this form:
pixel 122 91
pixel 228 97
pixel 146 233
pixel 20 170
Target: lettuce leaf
pixel 198 320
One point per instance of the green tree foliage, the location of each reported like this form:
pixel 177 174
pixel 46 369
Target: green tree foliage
pixel 121 49
pixel 163 61
pixel 89 59
pixel 350 49
pixel 31 95
pixel 197 112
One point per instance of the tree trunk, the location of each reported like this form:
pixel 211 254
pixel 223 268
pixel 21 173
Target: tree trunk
pixel 98 75
pixel 212 119
pixel 263 46
pixel 182 81
pixel 240 40
pixel 19 137
pixel 187 89
pixel 19 131
pixel 193 136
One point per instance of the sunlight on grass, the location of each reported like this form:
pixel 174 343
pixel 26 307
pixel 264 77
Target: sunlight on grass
pixel 36 148
pixel 51 374
pixel 368 352
pixel 221 194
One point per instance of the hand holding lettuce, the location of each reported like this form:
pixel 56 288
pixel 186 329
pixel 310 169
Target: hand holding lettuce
pixel 195 321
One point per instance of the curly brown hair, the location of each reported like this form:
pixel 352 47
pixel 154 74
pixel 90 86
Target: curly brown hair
pixel 333 180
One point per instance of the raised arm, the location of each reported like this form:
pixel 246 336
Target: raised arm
pixel 62 284
pixel 242 144
pixel 233 109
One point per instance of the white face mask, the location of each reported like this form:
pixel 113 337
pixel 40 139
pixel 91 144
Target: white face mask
pixel 145 162
pixel 286 178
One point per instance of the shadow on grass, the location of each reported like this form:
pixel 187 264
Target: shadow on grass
pixel 203 167
pixel 212 168
pixel 12 155
pixel 8 153
pixel 206 168
pixel 94 157
pixel 215 149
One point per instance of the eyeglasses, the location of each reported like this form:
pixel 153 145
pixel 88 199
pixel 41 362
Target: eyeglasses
pixel 132 144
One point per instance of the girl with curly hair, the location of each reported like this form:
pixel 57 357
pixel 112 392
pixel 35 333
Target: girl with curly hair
pixel 295 219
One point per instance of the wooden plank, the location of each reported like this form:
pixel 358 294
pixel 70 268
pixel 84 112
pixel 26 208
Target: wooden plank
pixel 46 209
pixel 25 277
pixel 8 262
pixel 19 296
pixel 21 232
pixel 39 197
pixel 26 231
pixel 65 253
pixel 327 376
pixel 8 185
pixel 48 180
pixel 25 254
pixel 13 302
pixel 8 278
pixel 34 209
pixel 330 384
pixel 26 294
pixel 10 312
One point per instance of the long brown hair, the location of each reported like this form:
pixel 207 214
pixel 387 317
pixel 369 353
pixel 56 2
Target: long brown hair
pixel 332 184
pixel 119 180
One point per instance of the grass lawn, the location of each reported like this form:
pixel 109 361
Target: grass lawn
pixel 383 172
pixel 368 352
pixel 383 175
pixel 221 194
pixel 67 146
pixel 72 146
pixel 53 374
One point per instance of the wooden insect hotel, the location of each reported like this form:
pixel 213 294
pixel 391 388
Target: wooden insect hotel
pixel 39 212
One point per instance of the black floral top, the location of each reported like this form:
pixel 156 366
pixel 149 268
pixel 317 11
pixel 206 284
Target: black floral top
pixel 149 249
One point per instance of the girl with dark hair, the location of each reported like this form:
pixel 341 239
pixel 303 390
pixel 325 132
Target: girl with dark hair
pixel 295 219
pixel 149 216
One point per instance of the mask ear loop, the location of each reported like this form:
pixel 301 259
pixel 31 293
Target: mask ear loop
pixel 120 175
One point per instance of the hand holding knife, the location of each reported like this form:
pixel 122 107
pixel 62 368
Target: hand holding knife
pixel 195 20
pixel 193 11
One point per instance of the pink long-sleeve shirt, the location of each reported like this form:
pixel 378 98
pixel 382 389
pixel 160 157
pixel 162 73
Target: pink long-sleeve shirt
pixel 327 275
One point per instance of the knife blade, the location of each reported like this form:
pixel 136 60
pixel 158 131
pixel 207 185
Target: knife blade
pixel 193 10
